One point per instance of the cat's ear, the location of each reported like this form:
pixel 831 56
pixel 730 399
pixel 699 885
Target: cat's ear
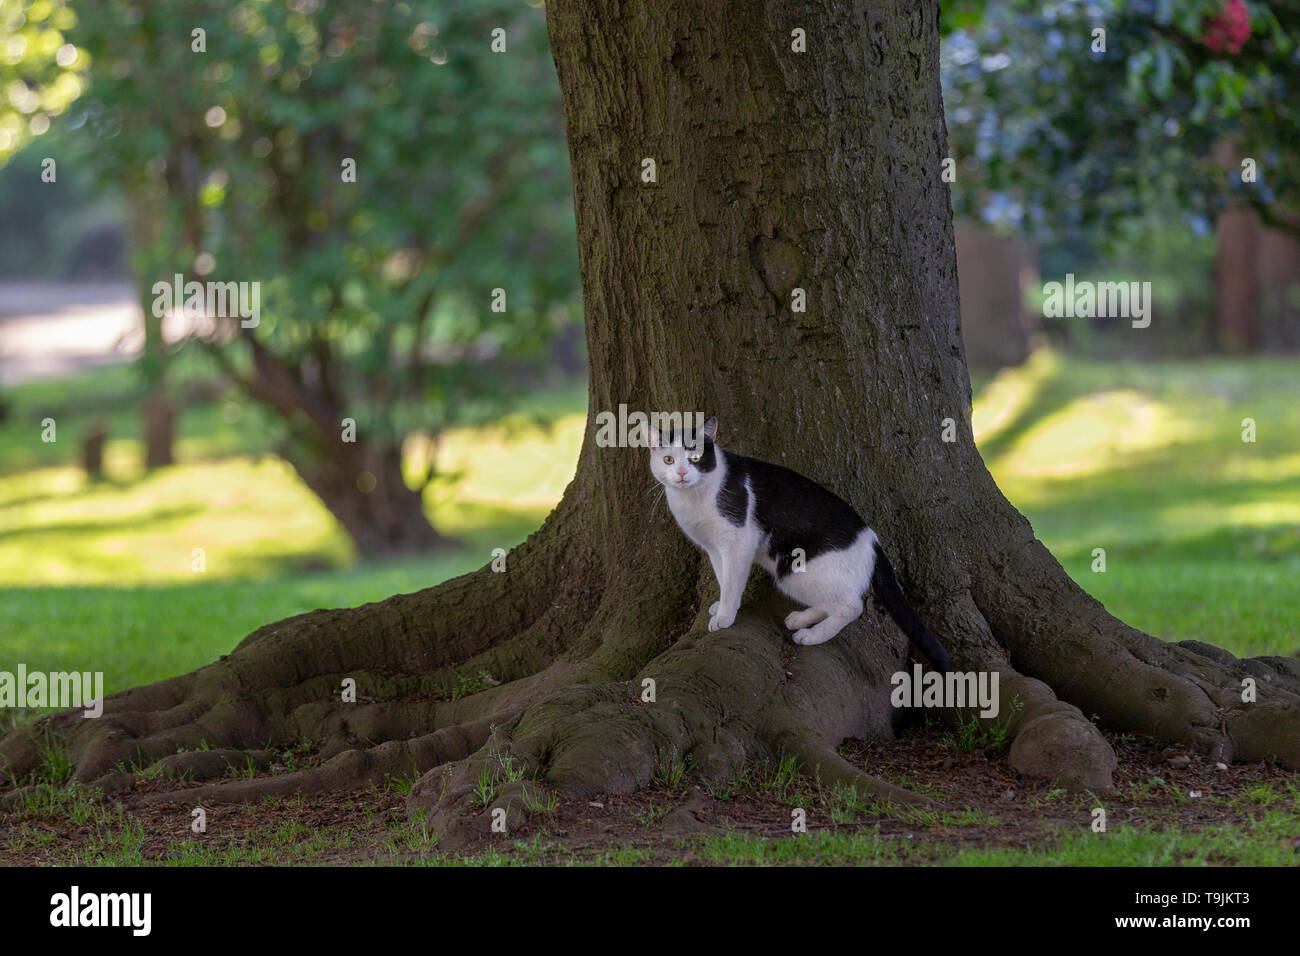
pixel 710 430
pixel 649 435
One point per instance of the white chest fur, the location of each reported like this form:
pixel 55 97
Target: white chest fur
pixel 696 512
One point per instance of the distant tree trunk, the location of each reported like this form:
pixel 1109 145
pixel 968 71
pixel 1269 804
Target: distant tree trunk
pixel 358 478
pixel 566 351
pixel 1236 280
pixel 996 328
pixel 1257 284
pixel 92 450
pixel 363 487
pixel 1236 268
pixel 1279 299
pixel 776 171
pixel 159 428
pixel 159 412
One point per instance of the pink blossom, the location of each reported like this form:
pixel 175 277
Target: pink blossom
pixel 1230 29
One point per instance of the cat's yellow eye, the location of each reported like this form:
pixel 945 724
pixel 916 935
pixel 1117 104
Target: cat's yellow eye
pixel 696 457
pixel 668 459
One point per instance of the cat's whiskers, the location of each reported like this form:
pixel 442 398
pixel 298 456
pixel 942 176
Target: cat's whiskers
pixel 654 504
pixel 652 488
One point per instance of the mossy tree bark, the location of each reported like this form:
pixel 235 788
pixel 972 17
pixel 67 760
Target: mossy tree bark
pixel 776 171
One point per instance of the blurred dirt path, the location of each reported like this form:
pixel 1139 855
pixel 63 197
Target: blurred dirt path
pixel 49 329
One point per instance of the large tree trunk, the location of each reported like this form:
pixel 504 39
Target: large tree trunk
pixel 776 170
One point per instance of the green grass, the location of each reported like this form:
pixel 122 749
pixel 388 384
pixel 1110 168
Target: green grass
pixel 822 847
pixel 1268 840
pixel 101 576
pixel 111 395
pixel 671 769
pixel 141 634
pixel 1254 827
pixel 1201 531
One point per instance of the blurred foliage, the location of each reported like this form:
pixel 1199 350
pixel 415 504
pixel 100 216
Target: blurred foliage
pixel 1055 138
pixel 380 168
pixel 461 181
pixel 39 76
pixel 68 229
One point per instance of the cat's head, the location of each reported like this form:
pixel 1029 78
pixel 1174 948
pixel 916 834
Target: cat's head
pixel 682 461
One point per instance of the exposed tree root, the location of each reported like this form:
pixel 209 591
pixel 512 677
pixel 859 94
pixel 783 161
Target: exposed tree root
pixel 819 761
pixel 685 821
pixel 721 699
pixel 1187 693
pixel 350 769
pixel 283 685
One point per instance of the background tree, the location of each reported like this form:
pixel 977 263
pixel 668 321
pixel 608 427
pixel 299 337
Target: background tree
pixel 37 79
pixel 382 172
pixel 776 170
pixel 1104 126
pixel 1051 115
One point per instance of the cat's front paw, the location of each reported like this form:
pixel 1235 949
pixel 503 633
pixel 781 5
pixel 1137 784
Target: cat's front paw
pixel 713 608
pixel 721 621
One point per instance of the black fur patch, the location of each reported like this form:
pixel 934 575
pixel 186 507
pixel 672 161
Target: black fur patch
pixel 708 458
pixel 793 511
pixel 733 496
pixel 885 584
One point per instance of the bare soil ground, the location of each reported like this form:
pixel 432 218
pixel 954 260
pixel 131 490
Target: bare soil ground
pixel 982 807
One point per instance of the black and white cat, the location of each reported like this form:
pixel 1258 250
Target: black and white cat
pixel 741 510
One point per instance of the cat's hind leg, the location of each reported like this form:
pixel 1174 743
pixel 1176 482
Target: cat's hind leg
pixel 837 617
pixel 805 618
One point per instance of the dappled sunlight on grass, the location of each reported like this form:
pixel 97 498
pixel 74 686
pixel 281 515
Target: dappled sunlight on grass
pixel 140 634
pixel 1201 530
pixel 1278 468
pixel 518 464
pixel 254 518
pixel 98 575
pixel 482 526
pixel 247 516
pixel 1094 434
pixel 1244 515
pixel 1011 395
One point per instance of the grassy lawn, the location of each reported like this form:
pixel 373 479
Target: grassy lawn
pixel 101 576
pixel 1200 532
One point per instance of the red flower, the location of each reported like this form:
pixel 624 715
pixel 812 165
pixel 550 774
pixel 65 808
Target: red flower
pixel 1230 29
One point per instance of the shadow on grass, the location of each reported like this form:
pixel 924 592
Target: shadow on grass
pixel 159 517
pixel 137 635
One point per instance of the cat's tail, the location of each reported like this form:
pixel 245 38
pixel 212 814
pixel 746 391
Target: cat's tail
pixel 886 586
